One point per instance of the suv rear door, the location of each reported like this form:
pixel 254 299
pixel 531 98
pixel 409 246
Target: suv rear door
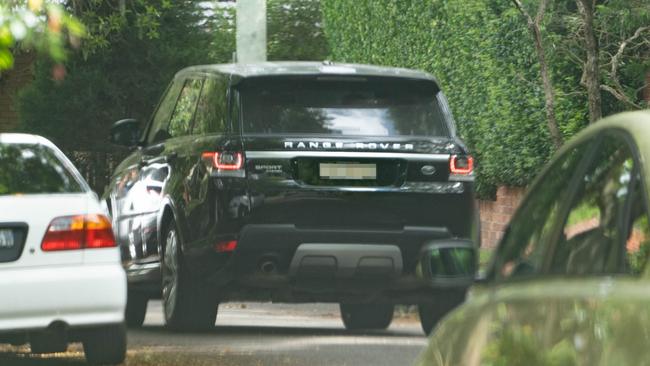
pixel 148 179
pixel 211 133
pixel 342 151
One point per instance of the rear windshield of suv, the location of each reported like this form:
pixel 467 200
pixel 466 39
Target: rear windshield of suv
pixel 355 107
pixel 33 169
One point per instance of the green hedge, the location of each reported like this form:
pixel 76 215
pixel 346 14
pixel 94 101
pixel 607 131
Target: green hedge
pixel 483 56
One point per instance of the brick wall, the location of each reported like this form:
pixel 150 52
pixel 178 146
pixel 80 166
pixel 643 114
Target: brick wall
pixel 496 214
pixel 11 81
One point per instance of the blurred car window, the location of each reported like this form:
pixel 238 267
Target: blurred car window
pixel 211 111
pixel 523 248
pixel 184 111
pixel 158 131
pixel 593 232
pixel 33 169
pixel 372 108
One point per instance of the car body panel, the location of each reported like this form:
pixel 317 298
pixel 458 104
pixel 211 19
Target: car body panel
pixel 38 211
pixel 77 295
pixel 77 287
pixel 555 321
pixel 545 319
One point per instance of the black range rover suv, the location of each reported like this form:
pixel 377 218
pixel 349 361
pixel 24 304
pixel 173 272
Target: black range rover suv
pixel 291 182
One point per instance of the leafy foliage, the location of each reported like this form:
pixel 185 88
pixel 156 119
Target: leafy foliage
pixel 123 79
pixel 482 54
pixel 131 53
pixel 43 25
pixel 295 30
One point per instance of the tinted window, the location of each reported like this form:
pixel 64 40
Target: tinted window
pixel 522 249
pixel 211 111
pixel 348 108
pixel 158 131
pixel 32 169
pixel 181 120
pixel 594 231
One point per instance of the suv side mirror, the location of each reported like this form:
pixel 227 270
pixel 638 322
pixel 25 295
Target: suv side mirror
pixel 125 132
pixel 448 263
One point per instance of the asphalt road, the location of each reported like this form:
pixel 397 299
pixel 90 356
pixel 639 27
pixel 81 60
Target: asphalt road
pixel 255 334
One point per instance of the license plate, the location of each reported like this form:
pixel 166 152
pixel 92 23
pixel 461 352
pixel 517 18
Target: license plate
pixel 354 171
pixel 6 238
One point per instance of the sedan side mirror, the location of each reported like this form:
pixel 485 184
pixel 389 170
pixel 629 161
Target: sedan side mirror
pixel 125 132
pixel 448 263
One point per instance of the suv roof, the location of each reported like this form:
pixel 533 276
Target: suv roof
pixel 293 68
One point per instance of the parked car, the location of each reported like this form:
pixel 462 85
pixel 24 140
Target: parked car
pixel 291 182
pixel 60 274
pixel 568 284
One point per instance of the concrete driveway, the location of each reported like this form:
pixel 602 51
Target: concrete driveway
pixel 256 334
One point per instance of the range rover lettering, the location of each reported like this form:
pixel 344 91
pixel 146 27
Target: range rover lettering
pixel 293 182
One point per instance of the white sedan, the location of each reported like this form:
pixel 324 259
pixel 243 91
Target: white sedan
pixel 61 279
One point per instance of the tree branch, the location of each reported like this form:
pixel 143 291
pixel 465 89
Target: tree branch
pixel 621 49
pixel 621 96
pixel 541 10
pixel 617 89
pixel 549 93
pixel 523 11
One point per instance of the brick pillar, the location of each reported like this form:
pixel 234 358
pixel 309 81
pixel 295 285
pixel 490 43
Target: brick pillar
pixel 495 215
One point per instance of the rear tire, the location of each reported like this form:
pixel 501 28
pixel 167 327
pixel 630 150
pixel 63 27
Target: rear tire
pixel 187 305
pixel 432 313
pixel 106 345
pixel 136 309
pixel 367 316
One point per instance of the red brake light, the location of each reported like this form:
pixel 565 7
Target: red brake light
pixel 462 165
pixel 226 246
pixel 225 160
pixel 78 232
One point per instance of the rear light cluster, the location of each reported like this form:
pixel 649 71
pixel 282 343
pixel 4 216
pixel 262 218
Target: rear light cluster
pixel 225 163
pixel 461 165
pixel 78 232
pixel 225 160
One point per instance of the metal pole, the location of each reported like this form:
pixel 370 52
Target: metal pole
pixel 251 31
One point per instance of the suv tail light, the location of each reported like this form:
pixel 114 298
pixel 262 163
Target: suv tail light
pixel 224 163
pixel 461 165
pixel 78 232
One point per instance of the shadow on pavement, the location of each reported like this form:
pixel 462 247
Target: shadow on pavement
pixel 292 331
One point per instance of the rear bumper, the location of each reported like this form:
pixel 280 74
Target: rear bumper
pixel 283 241
pixel 81 295
pixel 279 243
pixel 321 264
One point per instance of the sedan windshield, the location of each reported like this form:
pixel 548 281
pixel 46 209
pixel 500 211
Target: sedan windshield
pixel 344 108
pixel 33 169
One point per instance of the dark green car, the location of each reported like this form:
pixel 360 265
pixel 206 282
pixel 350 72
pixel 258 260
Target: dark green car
pixel 569 283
